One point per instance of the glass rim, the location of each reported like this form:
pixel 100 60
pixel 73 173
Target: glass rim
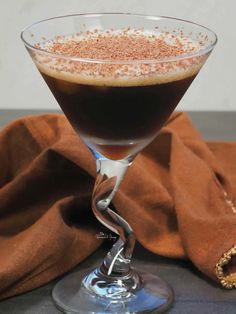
pixel 199 53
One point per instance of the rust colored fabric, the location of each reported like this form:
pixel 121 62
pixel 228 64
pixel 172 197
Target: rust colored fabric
pixel 178 196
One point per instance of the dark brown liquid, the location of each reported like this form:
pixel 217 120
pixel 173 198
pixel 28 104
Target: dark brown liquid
pixel 117 115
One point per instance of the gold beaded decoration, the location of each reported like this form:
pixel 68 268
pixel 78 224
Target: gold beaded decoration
pixel 227 281
pixel 229 202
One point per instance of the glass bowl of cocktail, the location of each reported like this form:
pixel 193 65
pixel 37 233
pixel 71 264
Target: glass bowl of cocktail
pixel 117 77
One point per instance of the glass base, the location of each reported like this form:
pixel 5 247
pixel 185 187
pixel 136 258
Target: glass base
pixel 72 295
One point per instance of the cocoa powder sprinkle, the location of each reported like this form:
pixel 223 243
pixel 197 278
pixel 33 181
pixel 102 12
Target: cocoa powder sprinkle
pixel 126 45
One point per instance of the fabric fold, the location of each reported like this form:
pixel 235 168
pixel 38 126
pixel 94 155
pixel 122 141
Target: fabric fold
pixel 178 195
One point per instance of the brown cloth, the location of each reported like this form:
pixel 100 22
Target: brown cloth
pixel 178 196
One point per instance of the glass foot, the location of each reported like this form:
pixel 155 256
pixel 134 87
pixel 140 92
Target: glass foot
pixel 91 294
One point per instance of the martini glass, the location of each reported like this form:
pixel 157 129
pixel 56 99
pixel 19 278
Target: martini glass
pixel 116 116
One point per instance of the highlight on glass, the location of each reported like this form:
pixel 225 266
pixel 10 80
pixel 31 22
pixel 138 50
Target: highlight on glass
pixel 117 77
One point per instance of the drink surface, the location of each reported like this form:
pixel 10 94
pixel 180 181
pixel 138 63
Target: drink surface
pixel 118 103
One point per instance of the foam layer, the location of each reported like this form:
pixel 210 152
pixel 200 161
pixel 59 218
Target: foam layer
pixel 126 48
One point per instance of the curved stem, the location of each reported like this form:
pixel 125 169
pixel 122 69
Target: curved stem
pixel 109 176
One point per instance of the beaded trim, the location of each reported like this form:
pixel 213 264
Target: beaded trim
pixel 229 202
pixel 227 281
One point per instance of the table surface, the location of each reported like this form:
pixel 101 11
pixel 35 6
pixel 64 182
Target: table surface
pixel 194 293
